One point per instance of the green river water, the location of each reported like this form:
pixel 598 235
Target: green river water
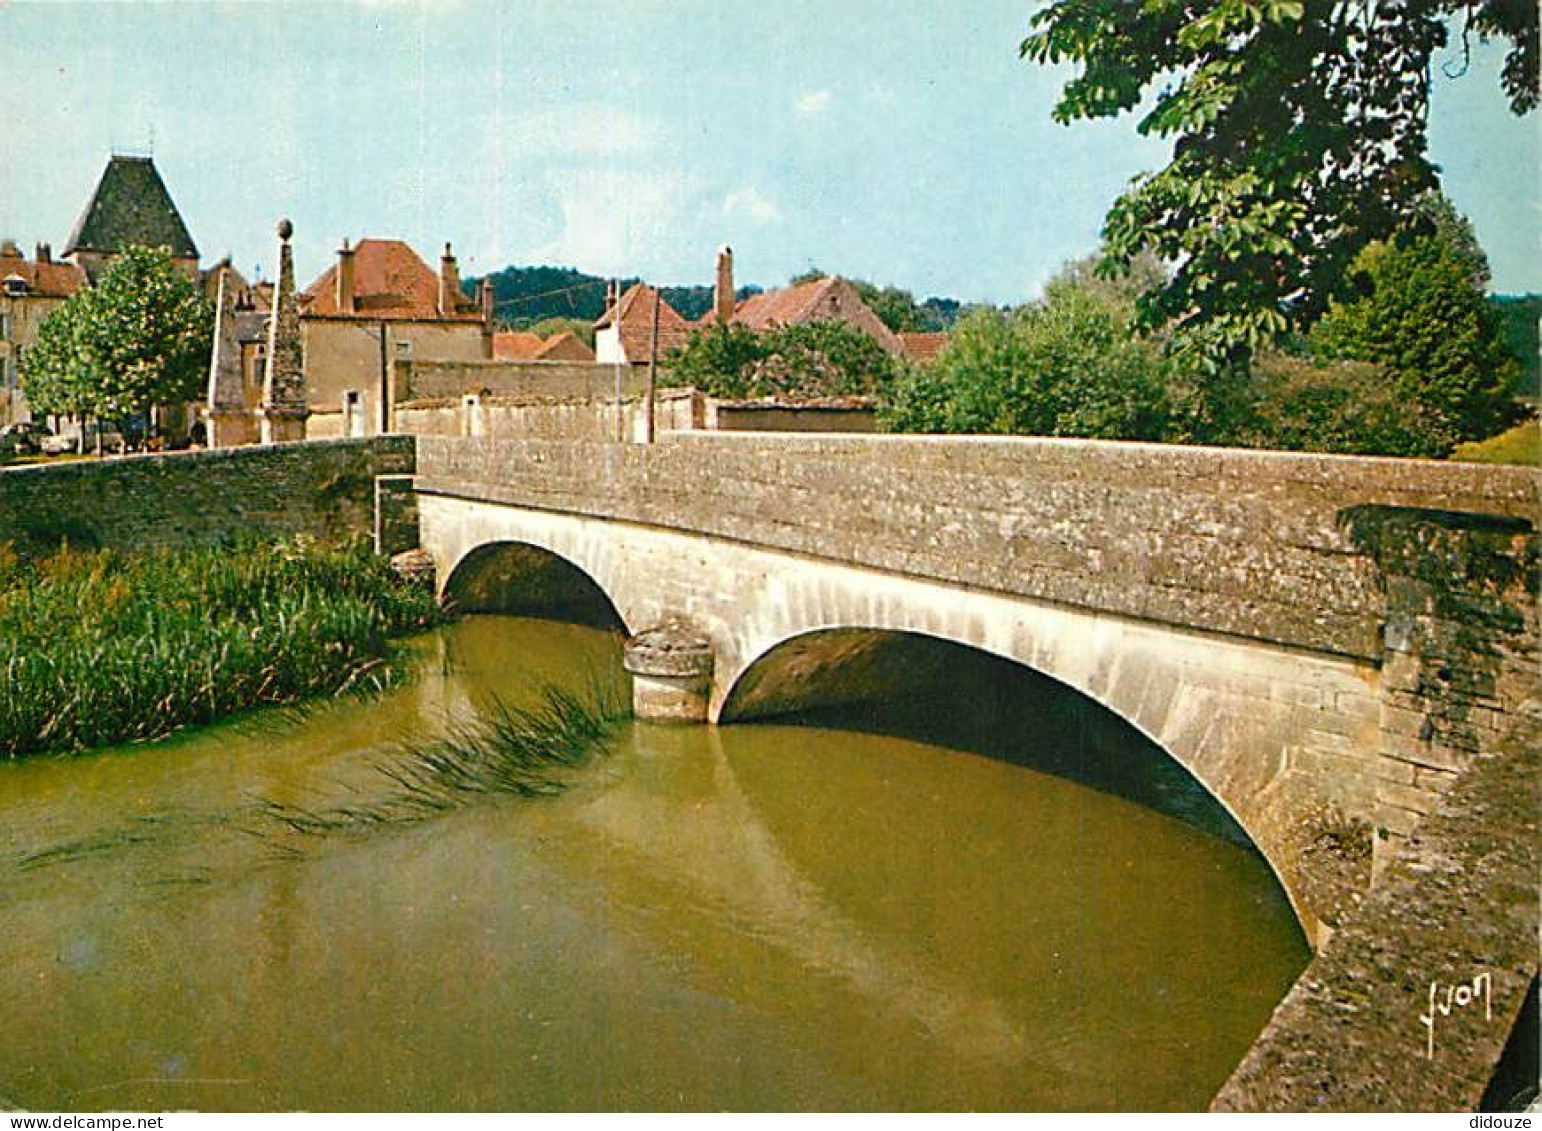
pixel 757 916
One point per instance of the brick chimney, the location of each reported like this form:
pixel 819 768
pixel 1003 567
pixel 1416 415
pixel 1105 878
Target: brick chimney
pixel 723 290
pixel 610 295
pixel 449 284
pixel 485 299
pixel 345 292
pixel 45 254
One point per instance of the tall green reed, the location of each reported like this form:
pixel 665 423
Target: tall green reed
pixel 106 647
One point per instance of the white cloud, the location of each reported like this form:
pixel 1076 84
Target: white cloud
pixel 621 222
pixel 814 102
pixel 751 204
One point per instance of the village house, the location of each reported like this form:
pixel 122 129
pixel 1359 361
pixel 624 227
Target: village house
pixel 521 345
pixel 30 290
pixel 827 299
pixel 623 335
pixel 378 303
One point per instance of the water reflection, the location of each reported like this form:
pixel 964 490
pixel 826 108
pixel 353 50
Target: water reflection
pixel 766 916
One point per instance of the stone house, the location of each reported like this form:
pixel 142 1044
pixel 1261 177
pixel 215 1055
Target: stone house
pixel 829 299
pixel 30 290
pixel 624 333
pixel 379 303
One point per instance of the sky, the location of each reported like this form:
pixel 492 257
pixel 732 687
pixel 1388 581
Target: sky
pixel 901 142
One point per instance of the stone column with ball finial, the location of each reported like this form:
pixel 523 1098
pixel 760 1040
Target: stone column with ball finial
pixel 284 408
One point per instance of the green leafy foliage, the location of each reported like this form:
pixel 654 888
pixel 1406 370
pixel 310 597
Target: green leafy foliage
pixel 1066 366
pixel 1343 406
pixel 1299 136
pixel 102 647
pixel 1422 316
pixel 57 374
pixel 139 337
pixel 818 359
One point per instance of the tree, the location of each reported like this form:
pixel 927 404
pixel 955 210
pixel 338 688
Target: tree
pixel 56 374
pixel 139 337
pixel 817 359
pixel 1299 137
pixel 717 360
pixel 1066 366
pixel 1422 316
pixel 1339 406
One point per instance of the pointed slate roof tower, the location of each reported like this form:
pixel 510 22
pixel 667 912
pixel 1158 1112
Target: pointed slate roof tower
pixel 130 206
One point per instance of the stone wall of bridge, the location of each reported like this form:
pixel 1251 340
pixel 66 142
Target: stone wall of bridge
pixel 1248 544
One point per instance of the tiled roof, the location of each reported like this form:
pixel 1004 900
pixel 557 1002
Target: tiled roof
pixel 636 313
pixel 389 281
pixel 567 346
pixel 830 299
pixel 516 345
pixel 45 280
pixel 785 307
pixel 922 347
pixel 131 206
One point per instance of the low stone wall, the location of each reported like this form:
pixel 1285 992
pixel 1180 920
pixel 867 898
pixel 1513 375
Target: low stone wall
pixel 1244 543
pixel 752 416
pixel 548 418
pixel 1412 1002
pixel 323 489
pixel 566 380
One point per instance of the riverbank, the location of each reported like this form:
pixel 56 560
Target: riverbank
pixel 106 647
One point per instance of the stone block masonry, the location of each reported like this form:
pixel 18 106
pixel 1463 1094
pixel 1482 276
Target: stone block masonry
pixel 1236 542
pixel 323 489
pixel 1410 1005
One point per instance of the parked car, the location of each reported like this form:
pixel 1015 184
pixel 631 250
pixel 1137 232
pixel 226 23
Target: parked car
pixel 24 438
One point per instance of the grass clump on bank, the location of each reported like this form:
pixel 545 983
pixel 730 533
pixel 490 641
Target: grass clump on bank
pixel 104 647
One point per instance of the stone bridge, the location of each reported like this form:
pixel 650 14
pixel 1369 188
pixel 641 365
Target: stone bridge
pixel 1322 642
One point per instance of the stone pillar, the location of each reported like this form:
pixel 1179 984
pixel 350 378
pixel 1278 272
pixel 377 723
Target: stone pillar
pixel 671 668
pixel 284 409
pixel 228 422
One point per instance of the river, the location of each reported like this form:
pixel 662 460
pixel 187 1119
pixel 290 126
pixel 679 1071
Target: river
pixel 758 916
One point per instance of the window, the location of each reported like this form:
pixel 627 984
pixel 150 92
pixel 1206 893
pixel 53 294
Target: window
pixel 5 325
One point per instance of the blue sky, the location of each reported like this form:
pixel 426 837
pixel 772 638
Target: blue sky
pixel 905 143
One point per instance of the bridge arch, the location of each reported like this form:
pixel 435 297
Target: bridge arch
pixel 509 576
pixel 968 696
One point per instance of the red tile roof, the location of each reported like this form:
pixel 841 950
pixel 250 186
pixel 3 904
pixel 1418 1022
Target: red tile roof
pixel 636 314
pixel 389 281
pixel 568 346
pixel 786 307
pixel 922 347
pixel 830 299
pixel 516 345
pixel 45 280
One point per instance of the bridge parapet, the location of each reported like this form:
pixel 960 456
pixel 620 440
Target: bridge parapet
pixel 1243 543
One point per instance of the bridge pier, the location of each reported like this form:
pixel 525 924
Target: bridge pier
pixel 671 668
